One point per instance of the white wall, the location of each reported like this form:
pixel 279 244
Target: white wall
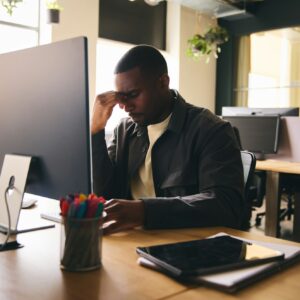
pixel 173 42
pixel 197 79
pixel 80 18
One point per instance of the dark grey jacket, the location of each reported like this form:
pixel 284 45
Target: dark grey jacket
pixel 197 169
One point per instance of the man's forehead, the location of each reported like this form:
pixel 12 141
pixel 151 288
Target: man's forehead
pixel 128 81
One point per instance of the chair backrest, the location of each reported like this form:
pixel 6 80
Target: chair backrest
pixel 249 162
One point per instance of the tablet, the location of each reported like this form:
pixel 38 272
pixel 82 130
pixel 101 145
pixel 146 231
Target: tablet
pixel 206 256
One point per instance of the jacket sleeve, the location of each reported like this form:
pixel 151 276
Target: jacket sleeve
pixel 220 200
pixel 103 165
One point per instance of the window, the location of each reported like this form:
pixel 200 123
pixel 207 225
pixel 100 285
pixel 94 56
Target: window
pixel 269 77
pixel 273 77
pixel 21 29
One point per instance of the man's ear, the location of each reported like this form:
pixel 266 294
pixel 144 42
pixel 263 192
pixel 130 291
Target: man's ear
pixel 164 81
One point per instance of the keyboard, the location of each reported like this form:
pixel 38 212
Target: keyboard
pixel 52 216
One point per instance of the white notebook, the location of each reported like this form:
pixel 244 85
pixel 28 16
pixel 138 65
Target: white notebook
pixel 234 280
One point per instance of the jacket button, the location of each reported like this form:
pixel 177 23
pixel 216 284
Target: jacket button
pixel 144 149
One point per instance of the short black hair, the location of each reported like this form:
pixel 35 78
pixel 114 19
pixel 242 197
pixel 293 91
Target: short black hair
pixel 147 58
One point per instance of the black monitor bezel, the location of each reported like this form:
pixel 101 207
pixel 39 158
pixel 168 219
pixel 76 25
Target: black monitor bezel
pixel 42 73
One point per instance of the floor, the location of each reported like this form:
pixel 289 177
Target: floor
pixel 285 225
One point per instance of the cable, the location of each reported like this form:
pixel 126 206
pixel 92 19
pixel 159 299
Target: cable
pixel 8 216
pixel 11 185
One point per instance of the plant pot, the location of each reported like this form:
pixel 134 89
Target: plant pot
pixel 53 15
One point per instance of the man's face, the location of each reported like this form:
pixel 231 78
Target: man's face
pixel 141 96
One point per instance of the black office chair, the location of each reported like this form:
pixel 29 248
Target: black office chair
pixel 288 185
pixel 249 162
pixel 256 190
pixel 287 195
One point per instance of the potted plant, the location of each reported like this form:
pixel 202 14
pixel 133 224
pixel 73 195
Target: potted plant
pixel 53 11
pixel 200 45
pixel 10 5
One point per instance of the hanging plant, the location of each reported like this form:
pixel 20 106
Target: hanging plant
pixel 10 5
pixel 53 4
pixel 53 11
pixel 201 45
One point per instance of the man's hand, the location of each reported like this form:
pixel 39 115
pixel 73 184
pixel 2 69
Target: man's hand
pixel 123 215
pixel 102 110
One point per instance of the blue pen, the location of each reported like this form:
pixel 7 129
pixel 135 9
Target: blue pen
pixel 81 210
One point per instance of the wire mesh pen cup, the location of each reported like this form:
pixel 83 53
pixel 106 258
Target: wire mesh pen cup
pixel 81 243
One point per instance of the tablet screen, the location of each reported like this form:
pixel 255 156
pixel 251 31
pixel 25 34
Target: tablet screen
pixel 208 255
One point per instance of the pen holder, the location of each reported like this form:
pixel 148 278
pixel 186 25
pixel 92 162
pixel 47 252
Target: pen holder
pixel 81 242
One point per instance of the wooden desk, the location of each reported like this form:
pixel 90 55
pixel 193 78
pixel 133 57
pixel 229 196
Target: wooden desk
pixel 275 169
pixel 33 272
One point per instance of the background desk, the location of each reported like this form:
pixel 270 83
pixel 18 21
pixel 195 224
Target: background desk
pixel 33 272
pixel 275 169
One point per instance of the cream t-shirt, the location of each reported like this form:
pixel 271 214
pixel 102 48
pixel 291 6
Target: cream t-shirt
pixel 142 183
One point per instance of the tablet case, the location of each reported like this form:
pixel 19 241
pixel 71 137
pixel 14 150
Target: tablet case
pixel 232 281
pixel 208 256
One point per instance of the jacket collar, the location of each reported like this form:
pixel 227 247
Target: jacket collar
pixel 178 114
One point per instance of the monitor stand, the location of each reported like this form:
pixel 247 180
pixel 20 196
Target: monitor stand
pixel 13 179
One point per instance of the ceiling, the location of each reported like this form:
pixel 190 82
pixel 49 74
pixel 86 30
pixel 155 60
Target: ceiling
pixel 219 8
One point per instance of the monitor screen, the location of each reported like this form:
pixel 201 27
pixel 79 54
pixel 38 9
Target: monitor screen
pixel 45 114
pixel 251 111
pixel 258 134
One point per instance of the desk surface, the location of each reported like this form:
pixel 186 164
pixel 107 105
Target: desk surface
pixel 278 166
pixel 33 272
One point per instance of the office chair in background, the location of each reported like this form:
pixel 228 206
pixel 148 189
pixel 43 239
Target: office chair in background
pixel 254 194
pixel 256 190
pixel 287 196
pixel 249 162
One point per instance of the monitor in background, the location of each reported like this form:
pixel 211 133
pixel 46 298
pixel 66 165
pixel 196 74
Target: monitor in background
pixel 250 111
pixel 258 134
pixel 45 114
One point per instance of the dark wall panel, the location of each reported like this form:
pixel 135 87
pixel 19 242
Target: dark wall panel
pixel 267 15
pixel 133 22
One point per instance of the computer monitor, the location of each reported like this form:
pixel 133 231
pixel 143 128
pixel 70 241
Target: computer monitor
pixel 45 114
pixel 258 134
pixel 250 111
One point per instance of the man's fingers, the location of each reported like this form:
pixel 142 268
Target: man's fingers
pixel 111 228
pixel 114 227
pixel 122 215
pixel 111 216
pixel 107 99
pixel 102 110
pixel 110 203
pixel 111 209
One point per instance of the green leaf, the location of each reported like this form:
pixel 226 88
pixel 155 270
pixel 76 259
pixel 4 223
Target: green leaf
pixel 199 45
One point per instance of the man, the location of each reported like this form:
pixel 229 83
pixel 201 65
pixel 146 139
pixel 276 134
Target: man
pixel 176 164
